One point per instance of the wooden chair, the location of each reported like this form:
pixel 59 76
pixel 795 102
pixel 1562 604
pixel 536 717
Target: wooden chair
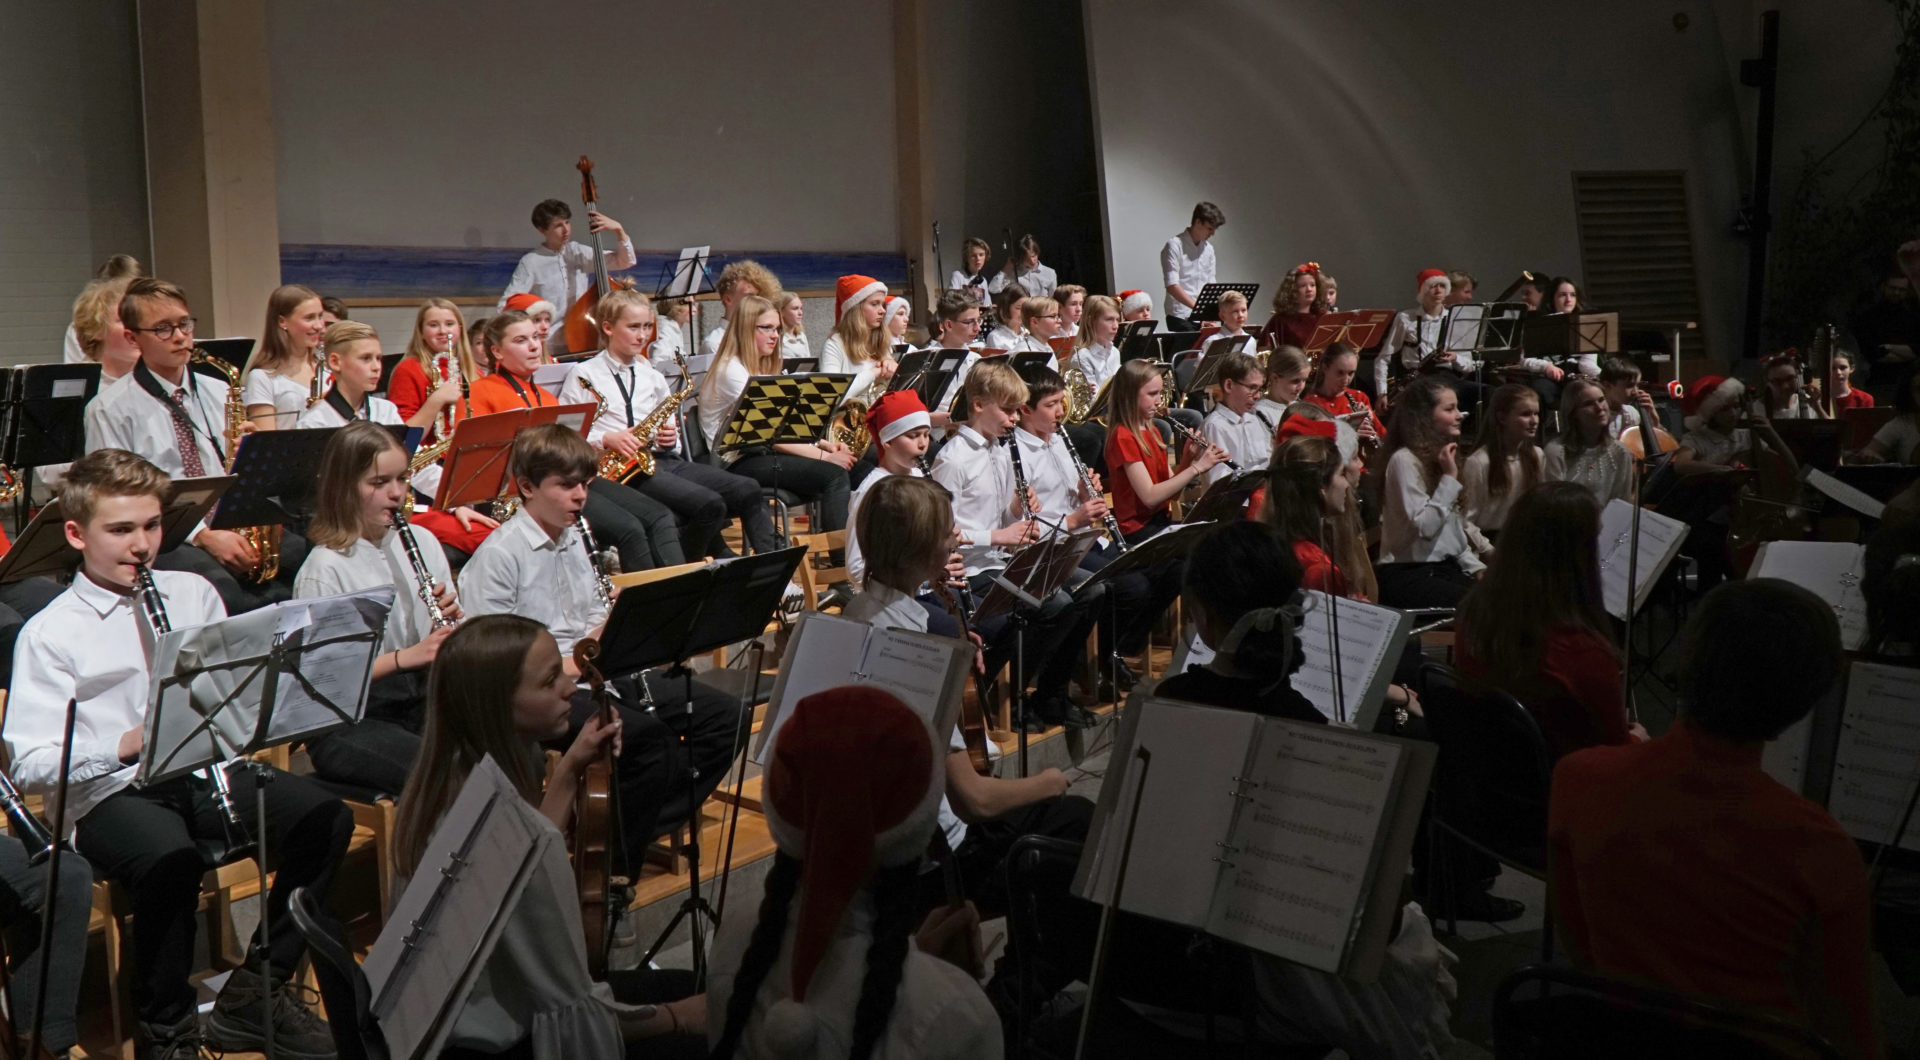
pixel 817 574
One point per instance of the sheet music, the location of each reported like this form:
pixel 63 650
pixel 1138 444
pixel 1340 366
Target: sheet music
pixel 1830 570
pixel 928 673
pixel 1660 538
pixel 1877 762
pixel 1299 864
pixel 444 925
pixel 1839 491
pixel 1784 758
pixel 339 638
pixel 1186 811
pixel 200 710
pixel 1371 638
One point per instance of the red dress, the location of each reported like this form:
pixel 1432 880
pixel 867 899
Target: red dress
pixel 1349 401
pixel 1575 695
pixel 1123 449
pixel 1854 399
pixel 1289 329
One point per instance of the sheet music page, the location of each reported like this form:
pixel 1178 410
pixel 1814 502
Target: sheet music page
pixel 820 654
pixel 1784 758
pixel 1185 812
pixel 1660 538
pixel 203 704
pixel 1371 638
pixel 338 638
pixel 919 668
pixel 1300 860
pixel 1877 762
pixel 928 673
pixel 1830 570
pixel 1853 497
pixel 445 923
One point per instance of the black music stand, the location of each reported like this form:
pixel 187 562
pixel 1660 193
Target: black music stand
pixel 1206 304
pixel 669 621
pixel 41 549
pixel 1207 372
pixel 1488 331
pixel 687 276
pixel 801 365
pixel 934 375
pixel 1566 336
pixel 274 481
pixel 233 351
pixel 1026 361
pixel 1226 498
pixel 1034 573
pixel 388 362
pixel 43 408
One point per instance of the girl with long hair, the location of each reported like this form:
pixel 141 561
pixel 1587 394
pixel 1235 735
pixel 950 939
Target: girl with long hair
pixel 1288 369
pixel 1298 305
pixel 1144 482
pixel 1586 452
pixel 278 380
pixel 1312 499
pixel 859 344
pixel 1429 553
pixel 1507 463
pixel 749 347
pixel 793 326
pixel 1330 387
pixel 1537 627
pixel 436 351
pixel 498 690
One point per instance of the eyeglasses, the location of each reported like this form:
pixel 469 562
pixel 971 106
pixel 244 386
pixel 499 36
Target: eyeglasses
pixel 1244 385
pixel 170 328
pixel 1048 316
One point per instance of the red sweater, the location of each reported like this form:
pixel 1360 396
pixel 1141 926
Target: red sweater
pixel 1575 695
pixel 1289 329
pixel 1123 449
pixel 1854 399
pixel 408 389
pixel 1679 862
pixel 1349 401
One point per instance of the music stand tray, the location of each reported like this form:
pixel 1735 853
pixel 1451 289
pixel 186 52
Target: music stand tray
pixel 1363 329
pixel 783 410
pixel 274 478
pixel 1206 304
pixel 45 413
pixel 475 464
pixel 41 549
pixel 674 619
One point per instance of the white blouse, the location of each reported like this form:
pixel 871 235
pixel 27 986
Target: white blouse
pixel 1422 526
pixel 834 358
pixel 715 400
pixel 287 395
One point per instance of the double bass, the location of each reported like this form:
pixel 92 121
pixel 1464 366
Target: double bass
pixel 581 330
pixel 596 826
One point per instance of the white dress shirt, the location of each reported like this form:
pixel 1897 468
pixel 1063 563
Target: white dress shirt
pixel 794 344
pixel 376 410
pixel 562 276
pixel 668 339
pixel 711 344
pixel 979 474
pixel 961 281
pixel 715 399
pixel 1624 420
pixel 856 560
pixel 1050 473
pixel 1412 338
pixel 1004 338
pixel 124 416
pixel 1189 264
pixel 287 395
pixel 1098 361
pixel 519 570
pixel 1421 527
pixel 366 565
pixel 90 644
pixel 1037 282
pixel 629 391
pixel 1247 440
pixel 1274 412
pixel 884 607
pixel 1484 510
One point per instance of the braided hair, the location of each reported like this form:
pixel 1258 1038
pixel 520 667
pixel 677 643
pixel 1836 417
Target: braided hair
pixel 896 910
pixel 783 882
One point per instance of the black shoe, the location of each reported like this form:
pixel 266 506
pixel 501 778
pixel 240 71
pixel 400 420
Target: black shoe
pixel 1120 674
pixel 1477 905
pixel 180 1041
pixel 1079 717
pixel 1032 724
pixel 248 1003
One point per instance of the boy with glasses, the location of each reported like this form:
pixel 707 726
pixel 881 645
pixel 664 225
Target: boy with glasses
pixel 1233 424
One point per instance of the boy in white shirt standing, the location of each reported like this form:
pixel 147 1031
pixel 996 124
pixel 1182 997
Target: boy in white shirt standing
pixel 559 270
pixel 1024 272
pixel 91 646
pixel 1187 265
pixel 537 565
pixel 628 388
pixel 1233 424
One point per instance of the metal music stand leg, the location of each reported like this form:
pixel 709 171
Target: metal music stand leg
pixel 694 906
pixel 260 778
pixel 741 730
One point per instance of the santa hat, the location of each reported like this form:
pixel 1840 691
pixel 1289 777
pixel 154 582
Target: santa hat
pixel 530 304
pixel 896 413
pixel 1343 436
pixel 1707 396
pixel 1134 301
pixel 853 290
pixel 895 304
pixel 1426 276
pixel 854 783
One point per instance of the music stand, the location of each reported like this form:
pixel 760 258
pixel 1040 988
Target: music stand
pixel 1141 345
pixel 687 276
pixel 1062 346
pixel 1033 573
pixel 41 549
pixel 388 362
pixel 233 351
pixel 1226 498
pixel 1486 331
pixel 268 677
pixel 1206 304
pixel 44 407
pixel 1207 372
pixel 669 621
pixel 1567 336
pixel 475 463
pixel 1363 329
pixel 1026 361
pixel 273 478
pixel 801 365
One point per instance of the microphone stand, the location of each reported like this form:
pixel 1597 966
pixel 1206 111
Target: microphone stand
pixel 51 890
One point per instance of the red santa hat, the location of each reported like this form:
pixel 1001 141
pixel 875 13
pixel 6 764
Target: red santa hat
pixel 1343 436
pixel 1707 396
pixel 895 304
pixel 1427 276
pixel 854 783
pixel 853 290
pixel 530 304
pixel 896 413
pixel 1134 301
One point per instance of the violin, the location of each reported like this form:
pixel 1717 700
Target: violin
pixel 973 722
pixel 582 331
pixel 594 813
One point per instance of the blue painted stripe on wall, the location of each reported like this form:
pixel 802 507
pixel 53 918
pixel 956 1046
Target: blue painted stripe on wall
pixel 472 272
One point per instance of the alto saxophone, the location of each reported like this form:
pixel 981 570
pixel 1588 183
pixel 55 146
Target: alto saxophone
pixel 264 540
pixel 617 468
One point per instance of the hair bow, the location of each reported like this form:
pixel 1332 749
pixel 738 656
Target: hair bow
pixel 1311 266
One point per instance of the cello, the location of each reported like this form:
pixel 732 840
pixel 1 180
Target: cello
pixel 596 823
pixel 580 329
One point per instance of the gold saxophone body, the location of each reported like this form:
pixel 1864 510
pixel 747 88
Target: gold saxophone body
pixel 617 468
pixel 264 540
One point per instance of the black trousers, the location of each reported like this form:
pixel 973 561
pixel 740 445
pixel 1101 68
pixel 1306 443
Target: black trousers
pixel 1162 588
pixel 240 595
pixel 19 601
pixel 820 481
pixel 1174 323
pixel 375 753
pixel 704 497
pixel 640 529
pixel 660 777
pixel 983 853
pixel 148 840
pixel 1129 613
pixel 23 902
pixel 1408 585
pixel 1049 646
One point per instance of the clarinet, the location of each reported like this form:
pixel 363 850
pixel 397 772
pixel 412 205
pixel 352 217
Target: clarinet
pixel 1086 483
pixel 422 577
pixel 156 609
pixel 1019 478
pixel 36 837
pixel 602 585
pixel 1190 435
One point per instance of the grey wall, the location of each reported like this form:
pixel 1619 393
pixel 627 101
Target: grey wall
pixel 72 186
pixel 757 124
pixel 1380 138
